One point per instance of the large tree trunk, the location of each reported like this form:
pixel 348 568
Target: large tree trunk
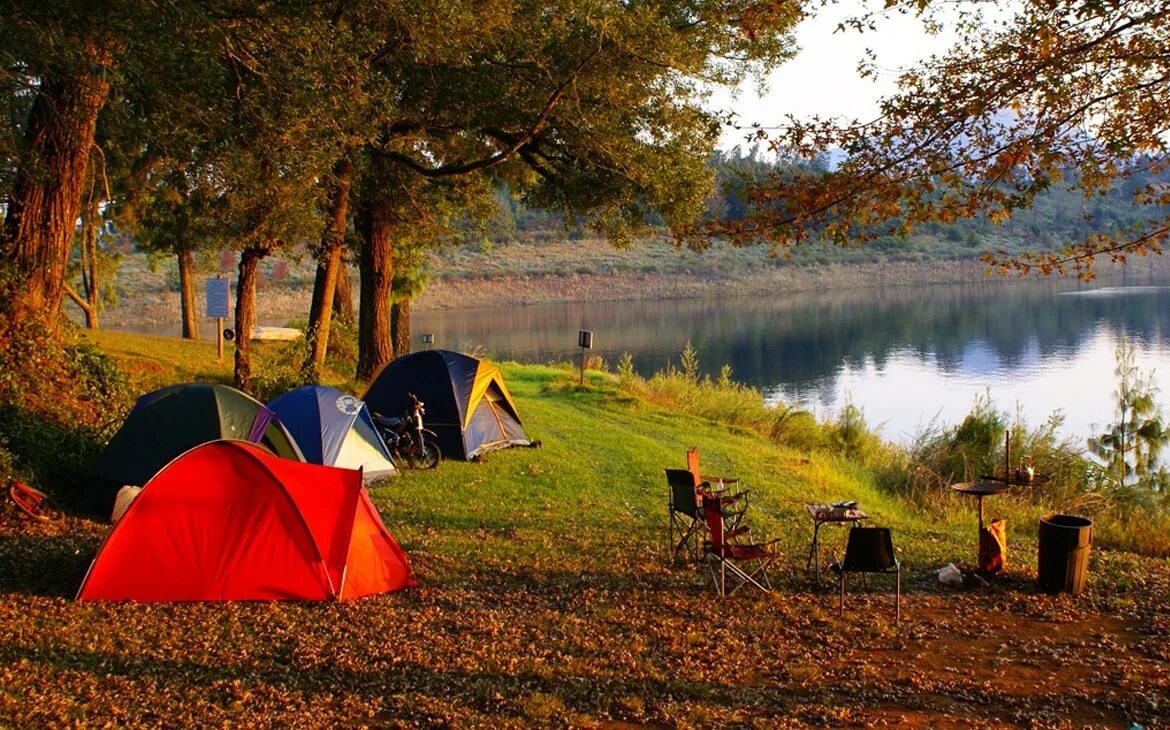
pixel 45 198
pixel 187 294
pixel 246 312
pixel 343 297
pixel 377 273
pixel 325 282
pixel 400 327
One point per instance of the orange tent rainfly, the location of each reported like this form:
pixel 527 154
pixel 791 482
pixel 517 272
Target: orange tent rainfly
pixel 229 521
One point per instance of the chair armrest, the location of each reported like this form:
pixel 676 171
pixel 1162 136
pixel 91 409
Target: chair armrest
pixel 724 497
pixel 737 532
pixel 725 480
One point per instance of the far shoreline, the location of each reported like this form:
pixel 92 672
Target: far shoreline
pixel 160 309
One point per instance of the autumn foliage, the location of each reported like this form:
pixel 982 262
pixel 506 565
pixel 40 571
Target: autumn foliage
pixel 1039 96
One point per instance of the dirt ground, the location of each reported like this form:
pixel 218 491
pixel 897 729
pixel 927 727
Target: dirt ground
pixel 623 643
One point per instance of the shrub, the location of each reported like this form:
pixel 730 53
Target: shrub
pixel 59 400
pixel 276 368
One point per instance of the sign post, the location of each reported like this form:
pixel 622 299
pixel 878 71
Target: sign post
pixel 585 342
pixel 217 308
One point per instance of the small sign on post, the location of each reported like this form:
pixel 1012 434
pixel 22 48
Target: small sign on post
pixel 428 340
pixel 585 342
pixel 218 295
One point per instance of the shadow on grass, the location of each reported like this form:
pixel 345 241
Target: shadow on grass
pixel 43 565
pixel 56 456
pixel 526 698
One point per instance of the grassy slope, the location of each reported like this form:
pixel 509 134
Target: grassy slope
pixel 544 600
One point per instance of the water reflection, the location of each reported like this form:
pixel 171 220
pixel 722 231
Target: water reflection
pixel 905 355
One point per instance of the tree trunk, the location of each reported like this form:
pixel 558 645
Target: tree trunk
pixel 45 198
pixel 400 327
pixel 187 294
pixel 85 307
pixel 325 282
pixel 377 273
pixel 246 312
pixel 343 297
pixel 89 262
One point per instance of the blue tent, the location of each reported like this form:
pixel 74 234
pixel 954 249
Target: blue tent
pixel 334 429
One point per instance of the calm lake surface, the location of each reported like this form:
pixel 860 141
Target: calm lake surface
pixel 906 356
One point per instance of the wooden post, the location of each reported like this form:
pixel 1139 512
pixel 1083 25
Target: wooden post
pixel 584 341
pixel 219 338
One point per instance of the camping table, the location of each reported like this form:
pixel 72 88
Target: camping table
pixel 980 490
pixel 822 513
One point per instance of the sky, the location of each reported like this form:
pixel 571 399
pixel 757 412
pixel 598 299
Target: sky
pixel 823 78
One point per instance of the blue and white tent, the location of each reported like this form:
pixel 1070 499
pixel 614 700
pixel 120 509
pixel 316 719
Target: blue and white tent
pixel 334 429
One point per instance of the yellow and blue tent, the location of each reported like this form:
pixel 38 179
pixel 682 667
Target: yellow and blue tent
pixel 467 404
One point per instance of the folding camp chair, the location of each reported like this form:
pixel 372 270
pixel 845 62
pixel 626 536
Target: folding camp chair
pixel 744 563
pixel 871 550
pixel 686 518
pixel 706 483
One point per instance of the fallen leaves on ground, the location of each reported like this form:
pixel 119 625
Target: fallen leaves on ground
pixel 597 637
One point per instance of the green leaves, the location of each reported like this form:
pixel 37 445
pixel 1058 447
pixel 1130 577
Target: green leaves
pixel 1131 447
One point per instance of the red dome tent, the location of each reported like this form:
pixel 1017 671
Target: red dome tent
pixel 229 521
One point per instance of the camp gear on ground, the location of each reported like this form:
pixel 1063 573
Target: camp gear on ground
pixel 744 564
pixel 685 514
pixel 693 465
pixel 122 502
pixel 168 422
pixel 468 405
pixel 1064 545
pixel 334 429
pixel 34 503
pixel 950 576
pixel 870 550
pixel 229 521
pixel 979 490
pixel 839 513
pixel 992 548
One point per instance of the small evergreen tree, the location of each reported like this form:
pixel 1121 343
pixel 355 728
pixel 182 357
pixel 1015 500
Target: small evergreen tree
pixel 1130 448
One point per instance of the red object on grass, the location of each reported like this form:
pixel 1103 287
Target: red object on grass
pixel 227 520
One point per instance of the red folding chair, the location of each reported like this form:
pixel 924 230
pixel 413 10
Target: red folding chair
pixel 744 564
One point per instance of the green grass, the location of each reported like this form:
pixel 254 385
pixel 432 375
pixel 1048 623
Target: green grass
pixel 545 600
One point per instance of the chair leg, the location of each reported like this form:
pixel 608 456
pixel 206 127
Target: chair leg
pixel 841 605
pixel 898 596
pixel 673 546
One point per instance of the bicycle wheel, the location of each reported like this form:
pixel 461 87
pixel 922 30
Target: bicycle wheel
pixel 427 456
pixel 34 503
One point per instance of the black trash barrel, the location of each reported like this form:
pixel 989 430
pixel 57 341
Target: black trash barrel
pixel 1064 553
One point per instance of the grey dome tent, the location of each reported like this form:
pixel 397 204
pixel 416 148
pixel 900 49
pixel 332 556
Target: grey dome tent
pixel 170 421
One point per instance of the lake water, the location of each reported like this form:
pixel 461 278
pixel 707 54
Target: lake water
pixel 906 356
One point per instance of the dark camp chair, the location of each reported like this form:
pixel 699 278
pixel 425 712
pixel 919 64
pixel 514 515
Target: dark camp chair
pixel 686 517
pixel 871 550
pixel 704 484
pixel 744 563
